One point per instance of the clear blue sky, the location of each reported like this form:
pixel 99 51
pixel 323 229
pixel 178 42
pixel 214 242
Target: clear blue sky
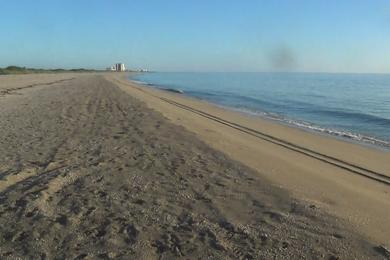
pixel 198 35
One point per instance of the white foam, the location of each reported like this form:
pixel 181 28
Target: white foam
pixel 139 82
pixel 312 127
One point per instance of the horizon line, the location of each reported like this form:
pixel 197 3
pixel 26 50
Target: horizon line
pixel 195 71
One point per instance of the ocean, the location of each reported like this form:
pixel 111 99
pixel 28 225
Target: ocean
pixel 350 106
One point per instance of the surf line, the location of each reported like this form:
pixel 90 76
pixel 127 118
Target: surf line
pixel 350 167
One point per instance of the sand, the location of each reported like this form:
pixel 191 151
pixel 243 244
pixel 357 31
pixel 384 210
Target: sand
pixel 364 203
pixel 93 168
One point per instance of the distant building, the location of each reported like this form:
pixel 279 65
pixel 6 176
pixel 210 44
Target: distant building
pixel 117 67
pixel 120 67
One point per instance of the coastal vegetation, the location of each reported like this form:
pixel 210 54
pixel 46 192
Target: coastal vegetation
pixel 24 70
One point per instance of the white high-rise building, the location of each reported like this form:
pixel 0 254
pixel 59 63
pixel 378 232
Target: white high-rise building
pixel 120 67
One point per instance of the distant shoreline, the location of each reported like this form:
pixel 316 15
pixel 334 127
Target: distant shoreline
pixel 12 70
pixel 17 70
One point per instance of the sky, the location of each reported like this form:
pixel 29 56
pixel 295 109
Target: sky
pixel 198 35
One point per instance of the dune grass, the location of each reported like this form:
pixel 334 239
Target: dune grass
pixel 23 70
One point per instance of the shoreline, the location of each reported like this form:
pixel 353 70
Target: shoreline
pixel 362 202
pixel 248 117
pixel 340 134
pixel 89 171
pixel 325 134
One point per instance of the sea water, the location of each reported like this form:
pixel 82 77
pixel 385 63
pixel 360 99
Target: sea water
pixel 352 106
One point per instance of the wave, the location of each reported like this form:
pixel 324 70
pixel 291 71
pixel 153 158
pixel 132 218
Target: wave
pixel 174 90
pixel 362 138
pixel 201 94
pixel 354 115
pixel 139 82
pixel 143 83
pixel 231 99
pixel 340 133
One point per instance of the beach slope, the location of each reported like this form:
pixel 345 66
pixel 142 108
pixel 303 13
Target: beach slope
pixel 89 171
pixel 349 180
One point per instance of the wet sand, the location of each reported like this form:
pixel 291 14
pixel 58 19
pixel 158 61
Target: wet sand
pixel 89 170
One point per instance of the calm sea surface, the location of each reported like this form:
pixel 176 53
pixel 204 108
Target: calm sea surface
pixel 352 106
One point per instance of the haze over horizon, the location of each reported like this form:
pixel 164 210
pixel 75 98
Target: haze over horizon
pixel 304 36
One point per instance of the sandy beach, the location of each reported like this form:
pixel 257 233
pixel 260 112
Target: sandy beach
pixel 93 166
pixel 347 179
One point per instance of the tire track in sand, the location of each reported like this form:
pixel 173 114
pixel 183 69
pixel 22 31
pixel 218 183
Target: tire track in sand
pixel 11 180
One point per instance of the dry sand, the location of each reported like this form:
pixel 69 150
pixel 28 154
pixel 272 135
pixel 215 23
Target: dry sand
pixel 88 171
